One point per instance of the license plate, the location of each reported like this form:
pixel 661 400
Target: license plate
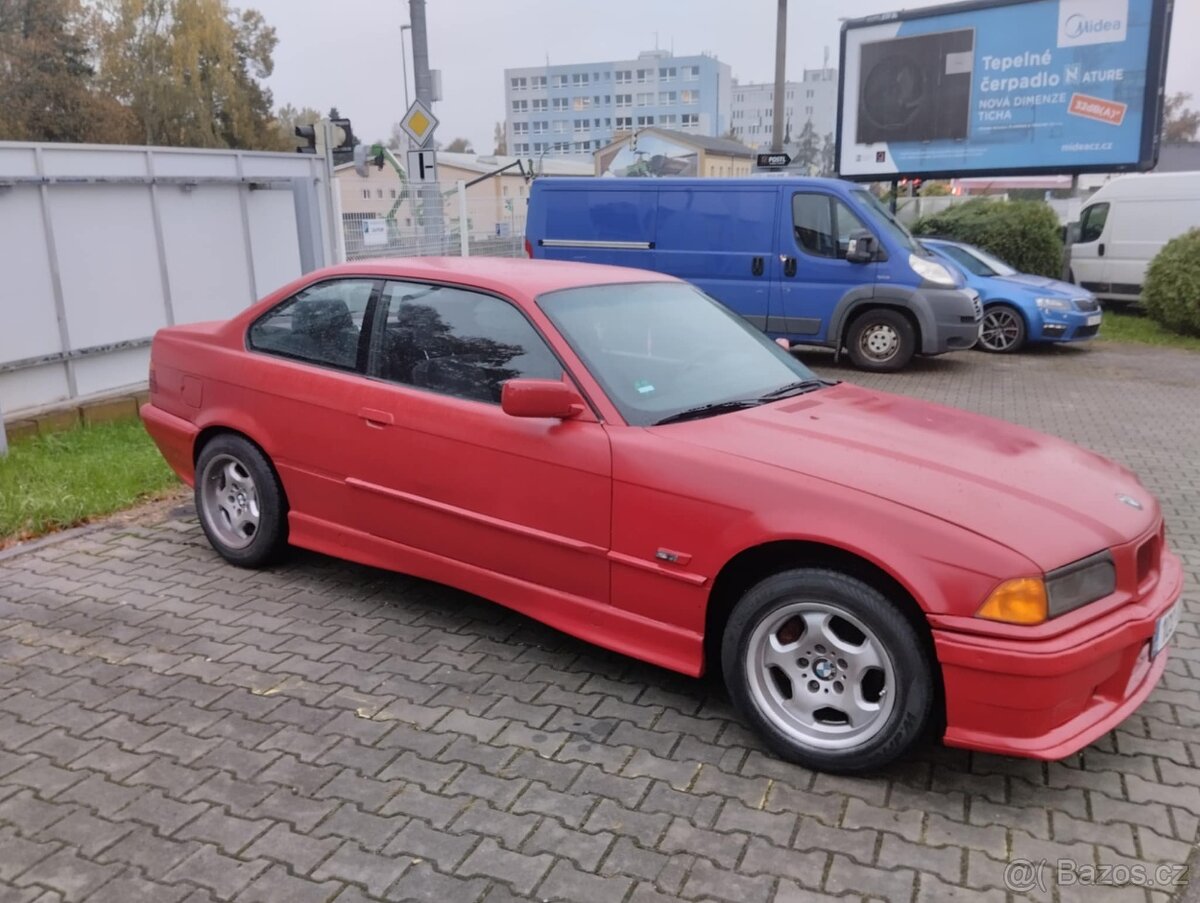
pixel 1094 320
pixel 1164 627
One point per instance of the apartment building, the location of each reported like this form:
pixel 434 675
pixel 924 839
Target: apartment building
pixel 813 98
pixel 579 108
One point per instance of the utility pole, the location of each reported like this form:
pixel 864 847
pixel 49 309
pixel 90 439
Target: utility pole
pixel 431 195
pixel 780 77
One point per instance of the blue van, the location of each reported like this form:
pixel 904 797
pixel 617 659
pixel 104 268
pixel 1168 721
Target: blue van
pixel 814 261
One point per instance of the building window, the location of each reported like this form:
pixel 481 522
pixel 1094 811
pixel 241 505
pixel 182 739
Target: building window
pixel 645 120
pixel 581 125
pixel 689 97
pixel 596 101
pixel 666 74
pixel 645 100
pixel 624 122
pixel 518 84
pixel 624 76
pixel 596 123
pixel 366 192
pixel 520 106
pixel 393 193
pixel 691 120
pixel 579 78
pixel 558 81
pixel 560 126
pixel 538 127
pixel 666 98
pixel 539 147
pixel 645 75
pixel 608 122
pixel 808 110
pixel 538 81
pixel 809 93
pixel 691 73
pixel 540 106
pixel 520 128
pixel 624 100
pixel 559 105
pixel 582 103
pixel 379 192
pixel 668 119
pixel 607 99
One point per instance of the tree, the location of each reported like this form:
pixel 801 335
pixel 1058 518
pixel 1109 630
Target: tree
pixel 334 114
pixel 1180 123
pixel 808 149
pixel 190 71
pixel 459 146
pixel 500 139
pixel 828 163
pixel 47 78
pixel 397 139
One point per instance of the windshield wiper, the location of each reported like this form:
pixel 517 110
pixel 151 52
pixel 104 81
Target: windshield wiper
pixel 799 387
pixel 706 410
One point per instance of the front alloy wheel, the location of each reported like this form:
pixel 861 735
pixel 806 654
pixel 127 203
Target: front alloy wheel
pixel 1003 330
pixel 829 671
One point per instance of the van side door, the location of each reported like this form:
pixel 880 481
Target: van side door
pixel 813 273
pixel 720 239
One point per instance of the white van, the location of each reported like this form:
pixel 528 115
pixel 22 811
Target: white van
pixel 1126 223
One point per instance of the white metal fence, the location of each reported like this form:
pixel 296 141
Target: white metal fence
pixel 102 245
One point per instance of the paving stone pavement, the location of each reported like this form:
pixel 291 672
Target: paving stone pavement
pixel 173 729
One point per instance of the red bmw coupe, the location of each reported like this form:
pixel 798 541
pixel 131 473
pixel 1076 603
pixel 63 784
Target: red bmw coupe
pixel 613 453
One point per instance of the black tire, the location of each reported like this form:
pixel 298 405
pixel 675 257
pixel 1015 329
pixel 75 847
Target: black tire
pixel 762 698
pixel 220 502
pixel 881 340
pixel 1003 330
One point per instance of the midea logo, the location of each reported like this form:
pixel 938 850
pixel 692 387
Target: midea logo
pixel 1078 26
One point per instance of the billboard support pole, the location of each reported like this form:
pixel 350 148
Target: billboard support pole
pixel 895 191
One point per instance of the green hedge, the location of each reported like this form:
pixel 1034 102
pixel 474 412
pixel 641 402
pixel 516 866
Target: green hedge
pixel 1172 290
pixel 1024 234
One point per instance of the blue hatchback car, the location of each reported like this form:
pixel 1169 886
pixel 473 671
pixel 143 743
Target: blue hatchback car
pixel 1019 308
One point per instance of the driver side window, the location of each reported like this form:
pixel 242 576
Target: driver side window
pixel 1091 224
pixel 823 225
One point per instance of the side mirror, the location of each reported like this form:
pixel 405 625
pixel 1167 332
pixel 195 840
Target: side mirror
pixel 540 398
pixel 1071 233
pixel 861 247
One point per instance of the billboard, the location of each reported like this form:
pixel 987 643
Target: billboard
pixel 1003 87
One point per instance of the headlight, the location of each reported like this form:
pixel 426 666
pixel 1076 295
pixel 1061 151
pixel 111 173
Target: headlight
pixel 931 271
pixel 1077 584
pixel 1053 304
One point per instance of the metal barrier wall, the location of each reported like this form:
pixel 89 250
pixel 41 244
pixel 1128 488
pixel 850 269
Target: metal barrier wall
pixel 102 245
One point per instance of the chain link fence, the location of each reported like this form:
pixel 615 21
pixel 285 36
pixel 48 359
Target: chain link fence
pixel 478 221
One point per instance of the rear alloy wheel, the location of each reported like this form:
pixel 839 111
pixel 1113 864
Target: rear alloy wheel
pixel 1003 330
pixel 240 502
pixel 831 674
pixel 882 340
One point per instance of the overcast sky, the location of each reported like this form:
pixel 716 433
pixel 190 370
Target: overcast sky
pixel 348 53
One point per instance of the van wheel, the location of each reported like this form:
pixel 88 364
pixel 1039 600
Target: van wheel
pixel 830 673
pixel 1003 330
pixel 881 340
pixel 240 502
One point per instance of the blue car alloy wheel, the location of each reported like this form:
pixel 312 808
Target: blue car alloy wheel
pixel 1003 330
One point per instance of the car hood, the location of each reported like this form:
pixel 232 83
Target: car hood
pixel 1044 498
pixel 1043 284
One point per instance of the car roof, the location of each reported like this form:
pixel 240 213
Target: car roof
pixel 506 275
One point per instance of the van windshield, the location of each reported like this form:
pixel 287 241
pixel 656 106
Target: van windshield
pixel 888 222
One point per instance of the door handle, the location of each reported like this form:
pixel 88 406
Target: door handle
pixel 1100 250
pixel 377 419
pixel 756 266
pixel 789 266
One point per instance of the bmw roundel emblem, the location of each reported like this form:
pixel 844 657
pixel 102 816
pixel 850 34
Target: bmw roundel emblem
pixel 1129 500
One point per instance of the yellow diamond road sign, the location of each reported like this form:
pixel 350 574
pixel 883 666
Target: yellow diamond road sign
pixel 419 123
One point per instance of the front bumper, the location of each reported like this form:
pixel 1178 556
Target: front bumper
pixel 957 318
pixel 1065 326
pixel 1047 699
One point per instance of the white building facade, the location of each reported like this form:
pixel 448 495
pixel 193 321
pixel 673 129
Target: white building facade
pixel 579 108
pixel 812 99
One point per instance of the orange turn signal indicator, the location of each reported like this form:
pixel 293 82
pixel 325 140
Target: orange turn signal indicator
pixel 1019 601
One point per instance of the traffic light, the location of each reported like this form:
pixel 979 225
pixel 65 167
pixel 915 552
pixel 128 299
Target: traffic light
pixel 343 135
pixel 307 133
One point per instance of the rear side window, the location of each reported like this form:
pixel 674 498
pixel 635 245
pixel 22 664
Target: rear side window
pixel 457 342
pixel 320 325
pixel 823 225
pixel 1091 224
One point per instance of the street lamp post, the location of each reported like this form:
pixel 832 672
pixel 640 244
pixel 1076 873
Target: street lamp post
pixel 780 77
pixel 404 63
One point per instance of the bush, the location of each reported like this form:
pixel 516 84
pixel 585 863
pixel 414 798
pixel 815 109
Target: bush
pixel 1024 234
pixel 1172 290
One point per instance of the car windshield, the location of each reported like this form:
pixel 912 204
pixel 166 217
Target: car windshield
pixel 995 264
pixel 888 222
pixel 665 350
